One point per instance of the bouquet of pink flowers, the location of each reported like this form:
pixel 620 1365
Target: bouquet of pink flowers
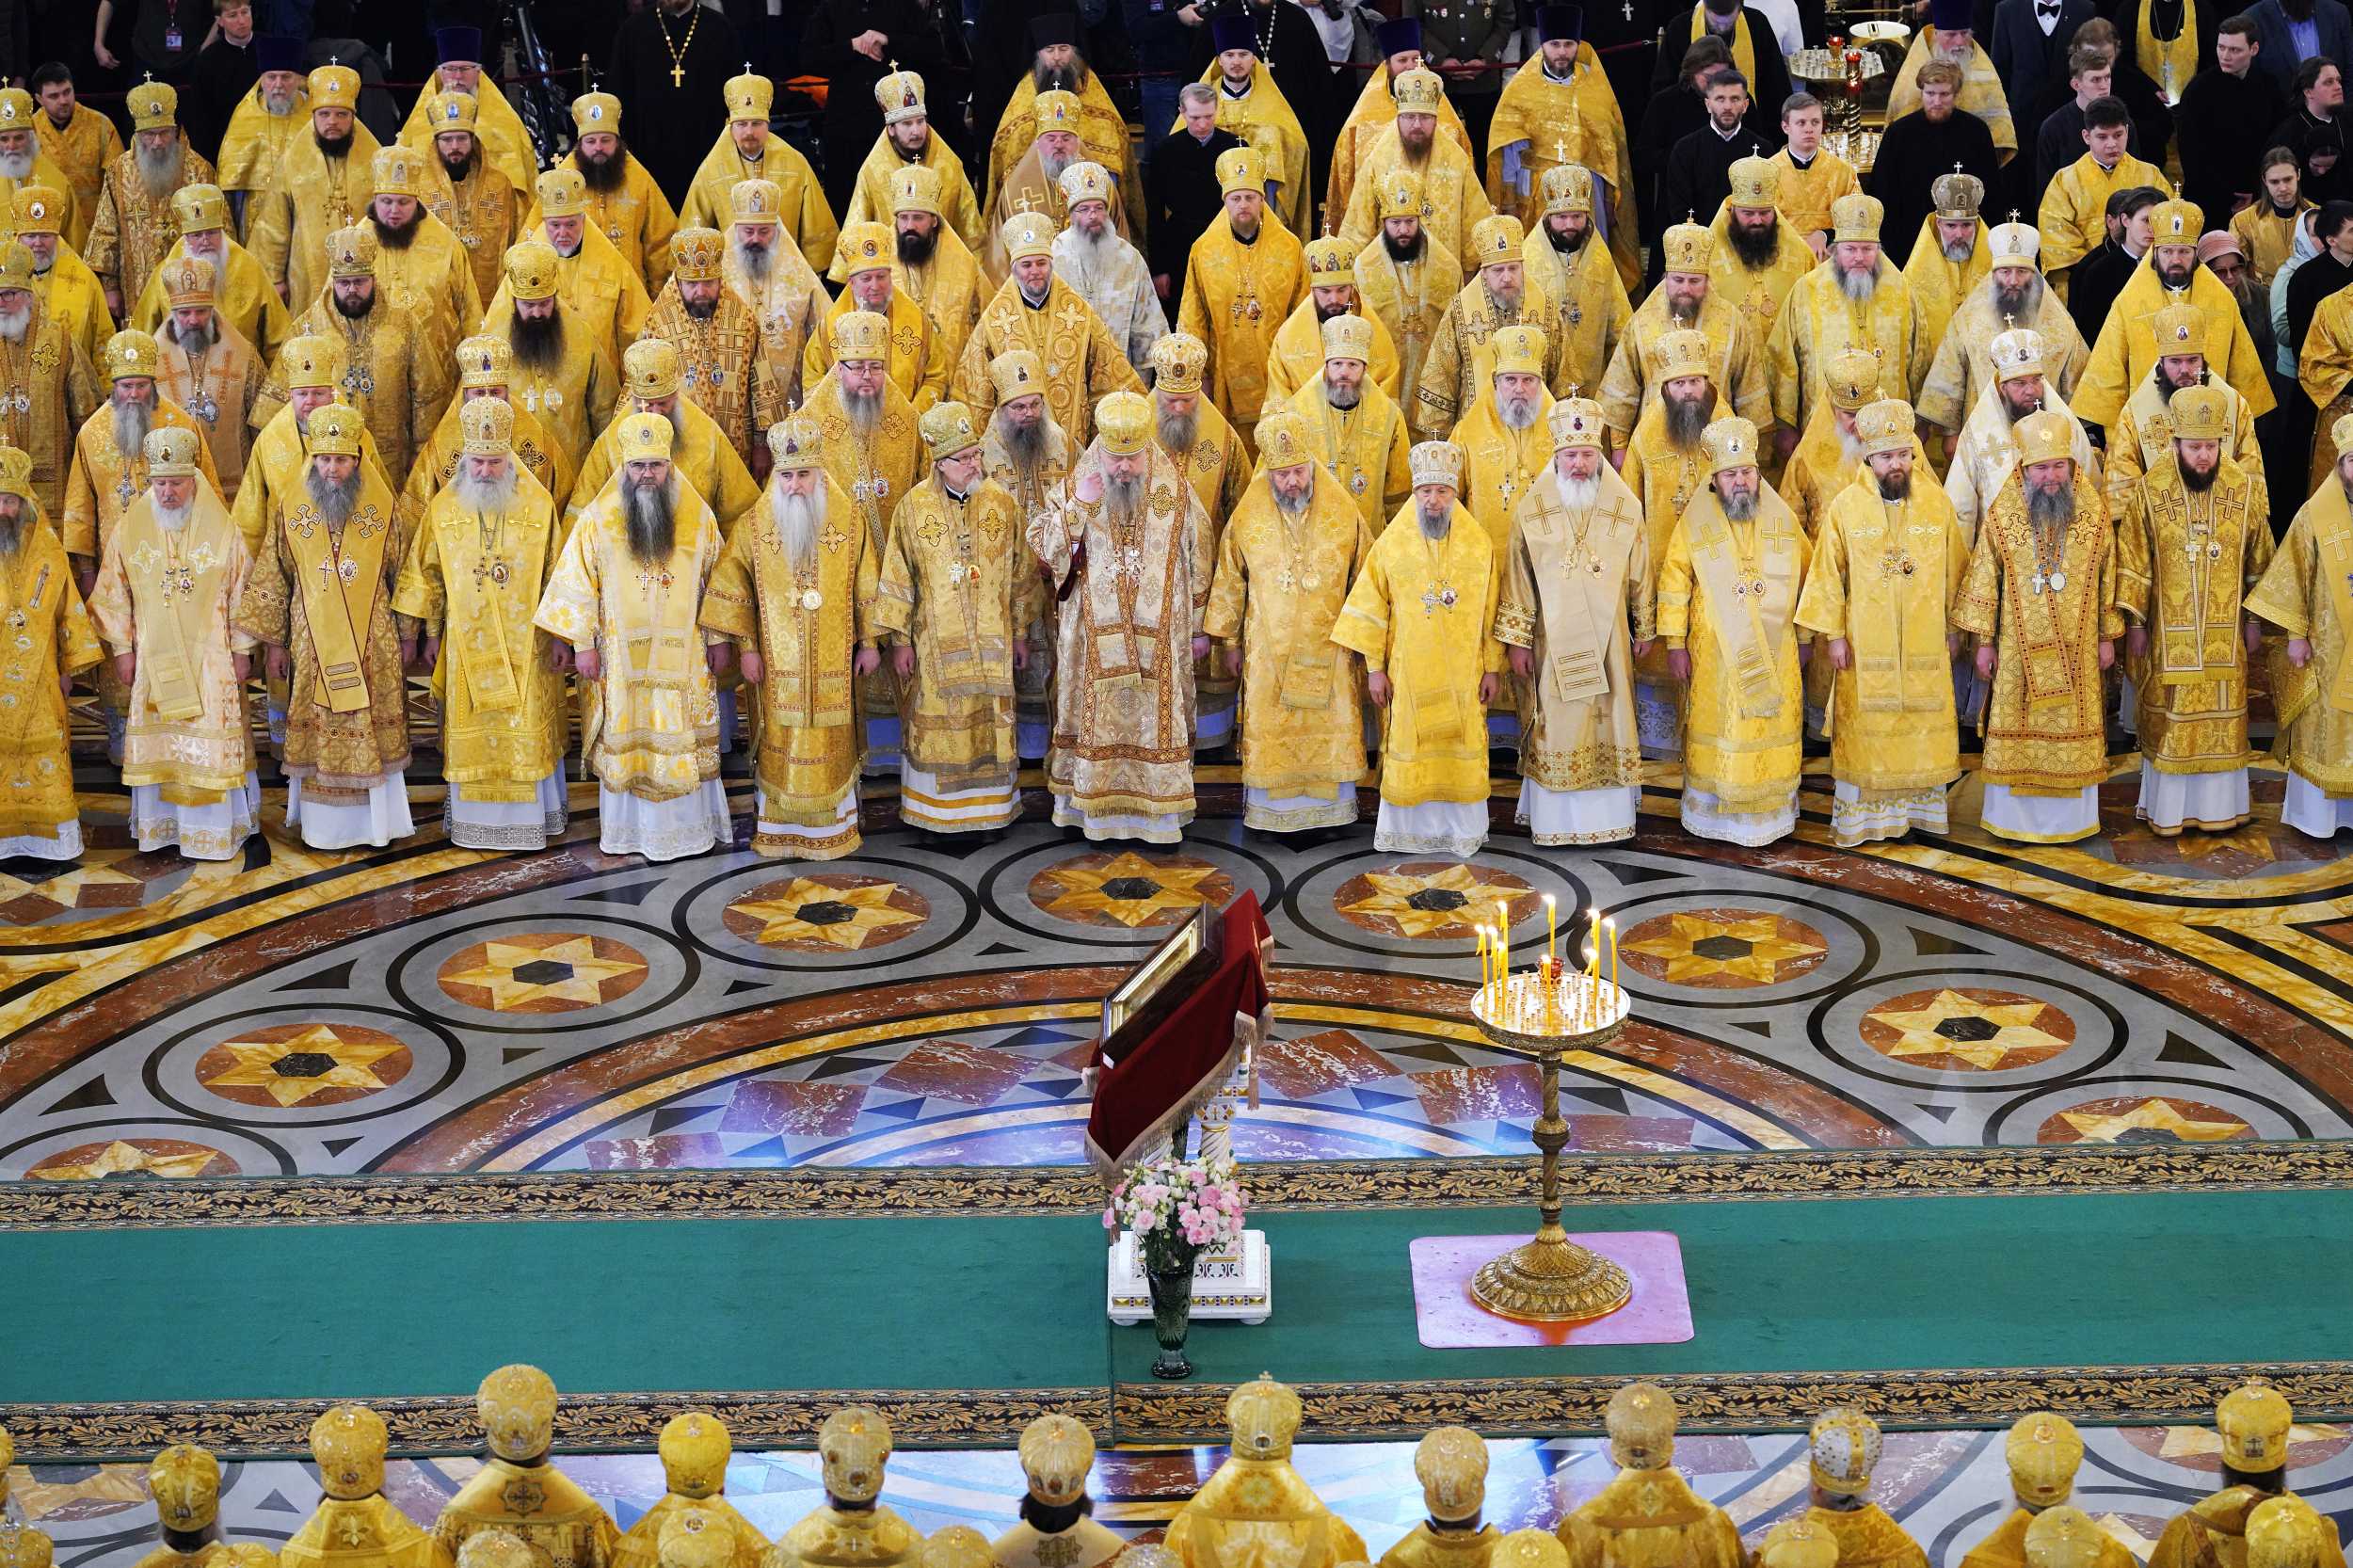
pixel 1176 1208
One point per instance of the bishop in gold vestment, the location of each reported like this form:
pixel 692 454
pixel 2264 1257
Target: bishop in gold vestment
pixel 75 200
pixel 721 368
pixel 47 388
pixel 907 141
pixel 1250 103
pixel 1101 126
pixel 695 1449
pixel 186 1484
pixel 505 143
pixel 1843 1451
pixel 916 358
pixel 207 367
pixel 1108 272
pixel 1452 197
pixel 1647 1513
pixel 2127 348
pixel 935 267
pixel 1452 1464
pixel 2307 593
pixel 132 226
pixel 1359 431
pixel 1215 461
pixel 2012 293
pixel 1256 1503
pixel 1296 356
pixel 1376 108
pixel 1038 312
pixel 1026 453
pixel 355 1525
pixel 2044 1451
pixel 699 452
pixel 486 366
pixel 1284 563
pixel 1242 277
pixel 2143 435
pixel 1665 464
pixel 1950 255
pixel 471 583
pixel 624 203
pixel 82 145
pixel 1755 257
pixel 1461 361
pixel 241 291
pixel 2227 1529
pixel 851 1529
pixel 1056 1529
pixel 1589 306
pixel 748 150
pixel 562 374
pixel 324 183
pixel 468 197
pixel 53 642
pixel 602 293
pixel 795 591
pixel 1558 111
pixel 1405 279
pixel 1685 300
pixel 1856 300
pixel 517 1490
pixel 62 282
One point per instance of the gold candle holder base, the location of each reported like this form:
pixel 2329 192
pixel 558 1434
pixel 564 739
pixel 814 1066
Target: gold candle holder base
pixel 1551 1280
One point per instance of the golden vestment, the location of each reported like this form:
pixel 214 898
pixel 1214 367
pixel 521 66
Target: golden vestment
pixel 256 141
pixel 950 289
pixel 482 216
pixel 1366 450
pixel 1744 712
pixel 787 308
pixel 700 454
pixel 2143 438
pixel 1452 198
pixel 1116 282
pixel 1542 122
pixel 46 391
pixel 1216 466
pixel 1981 93
pixel 104 482
pixel 1758 292
pixel 1030 488
pixel 1650 1519
pixel 870 202
pixel 720 368
pixel 2212 1533
pixel 1296 356
pixel 1262 117
pixel 324 595
pixel 2006 1546
pixel 1459 370
pixel 636 219
pixel 2042 725
pixel 1422 611
pixel 1236 297
pixel 641 1546
pixel 957 583
pixel 1963 365
pixel 500 139
pixel 243 297
pixel 919 362
pixel 1084 1544
pixel 1374 112
pixel 1408 298
pixel 1939 285
pixel 537 1502
pixel 71 292
pixel 1027 188
pixel 1818 323
pixel 574 398
pixel 2323 368
pixel 827 1537
pixel 1590 306
pixel 436 461
pixel 805 624
pixel 1280 583
pixel 1256 1510
pixel 1500 464
pixel 1102 135
pixel 1818 470
pixel 273 476
pixel 473 581
pixel 133 230
pixel 1868 1538
pixel 399 375
pixel 1424 1548
pixel 1575 581
pixel 649 721
pixel 1081 361
pixel 220 395
pixel 1664 477
pixel 212 1554
pixel 51 636
pixel 1804 195
pixel 361 1532
pixel 875 471
pixel 287 222
pixel 2184 561
pixel 2266 238
pixel 75 221
pixel 603 295
pixel 807 221
pixel 1626 392
pixel 2308 592
pixel 82 150
pixel 2126 349
pixel 1987 453
pixel 2073 215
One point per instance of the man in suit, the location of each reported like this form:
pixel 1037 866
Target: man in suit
pixel 1182 190
pixel 2292 31
pixel 2029 48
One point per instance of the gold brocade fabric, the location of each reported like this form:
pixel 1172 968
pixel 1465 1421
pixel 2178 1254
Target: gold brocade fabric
pixel 699 453
pixel 950 289
pixel 1422 611
pixel 1627 392
pixel 242 296
pixel 2183 561
pixel 220 395
pixel 1726 592
pixel 650 719
pixel 870 202
pixel 1577 593
pixel 45 633
pixel 787 308
pixel 360 1533
pixel 1650 1519
pixel 1868 1538
pixel 2308 592
pixel 1260 1513
pixel 71 292
pixel 273 477
pixel 1102 134
pixel 720 368
pixel 1374 112
pixel 875 469
pixel 1124 698
pixel 1030 486
pixel 47 389
pixel 455 262
pixel 437 463
pixel 1757 292
pixel 1366 450
pixel 104 483
pixel 2264 237
pixel 474 581
pixel 1236 299
pixel 1081 360
pixel 1963 365
pixel 2073 215
pixel 82 151
pixel 1818 470
pixel 574 398
pixel 1981 94
pixel 500 139
pixel 537 1502
pixel 1408 299
pixel 212 1554
pixel 1988 451
pixel 2143 438
pixel 846 1538
pixel 957 583
pixel 1452 197
pixel 1217 469
pixel 917 363
pixel 2006 1546
pixel 1939 284
pixel 1664 477
pixel 170 598
pixel 257 140
pixel 1500 464
pixel 1589 306
pixel 398 373
pixel 132 229
pixel 1280 581
pixel 1026 187
pixel 2323 368
pixel 1817 323
pixel 807 221
pixel 1553 122
pixel 1262 116
pixel 641 1546
pixel 2126 350
pixel 1460 364
pixel 310 197
pixel 636 219
pixel 1424 1548
pixel 603 297
pixel 1295 357
pixel 1084 1544
pixel 1804 195
pixel 2212 1533
pixel 74 221
pixel 2042 725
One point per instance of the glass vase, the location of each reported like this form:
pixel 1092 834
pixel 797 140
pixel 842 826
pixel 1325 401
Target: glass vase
pixel 1170 1282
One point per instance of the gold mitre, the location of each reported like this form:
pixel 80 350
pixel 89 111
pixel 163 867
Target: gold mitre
pixel 1418 91
pixel 1689 247
pixel 1086 182
pixel 1756 182
pixel 1027 234
pixel 187 282
pixel 1681 352
pixel 651 368
pixel 38 208
pixel 748 96
pixel 695 255
pixel 1640 1422
pixel 2043 1451
pixel 795 441
pixel 170 452
pixel 1057 110
pixel 16 479
pixel 1262 1415
pixel 694 1538
pixel 131 352
pixel 498 1548
pixel 1575 422
pixel 1452 1464
pixel 16 266
pixel 947 430
pixel 1285 440
pixel 1884 426
pixel 900 96
pixel 516 1404
pixel 862 335
pixel 915 189
pixel 1148 1556
pixel 199 208
pixel 1567 189
pixel 1844 1445
pixel 2339 434
pixel 351 253
pixel 956 1547
pixel 1347 336
pixel 1957 195
pixel 1529 1549
pixel 1856 219
pixel 335 430
pixel 2284 1533
pixel 852 1446
pixel 563 192
pixel 1330 262
pixel 2253 1420
pixel 2200 414
pixel 1435 463
pixel 1123 422
pixel 1017 373
pixel 2017 352
pixel 16 109
pixel 644 438
pixel 398 171
pixel 185 1481
pixel 311 360
pixel 2044 437
pixel 1240 169
pixel 1494 239
pixel 22 1546
pixel 1852 375
pixel 348 1440
pixel 695 1449
pixel 593 112
pixel 1057 1451
pixel 1518 350
pixel 530 270
pixel 2013 244
pixel 333 87
pixel 485 360
pixel 485 427
pixel 2176 222
pixel 155 106
pixel 2178 329
pixel 1798 1543
pixel 755 201
pixel 1179 360
pixel 1399 195
pixel 2064 1537
pixel 865 246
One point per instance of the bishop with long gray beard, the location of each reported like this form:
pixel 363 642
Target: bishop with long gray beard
pixel 1096 259
pixel 625 595
pixel 134 227
pixel 51 640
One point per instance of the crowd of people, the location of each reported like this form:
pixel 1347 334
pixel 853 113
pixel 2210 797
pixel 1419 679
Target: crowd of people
pixel 519 1510
pixel 1353 454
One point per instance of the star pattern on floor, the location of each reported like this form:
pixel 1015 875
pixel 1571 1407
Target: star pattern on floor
pixel 2150 1119
pixel 102 881
pixel 1967 1030
pixel 1433 901
pixel 293 1065
pixel 554 972
pixel 1128 889
pixel 1722 949
pixel 827 912
pixel 121 1157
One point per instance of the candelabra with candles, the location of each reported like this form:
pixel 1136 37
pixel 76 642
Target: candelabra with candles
pixel 1545 1013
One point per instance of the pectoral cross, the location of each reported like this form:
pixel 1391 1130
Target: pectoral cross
pixel 1627 9
pixel 677 75
pixel 2042 582
pixel 653 577
pixel 1440 596
pixel 1560 149
pixel 126 491
pixel 332 566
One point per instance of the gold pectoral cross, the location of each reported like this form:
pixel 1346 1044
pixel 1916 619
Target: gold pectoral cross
pixel 650 577
pixel 1440 596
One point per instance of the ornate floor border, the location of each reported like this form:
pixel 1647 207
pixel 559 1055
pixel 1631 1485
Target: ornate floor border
pixel 1478 1182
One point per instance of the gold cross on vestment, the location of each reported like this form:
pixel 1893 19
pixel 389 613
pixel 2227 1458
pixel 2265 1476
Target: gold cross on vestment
pixel 653 577
pixel 1027 205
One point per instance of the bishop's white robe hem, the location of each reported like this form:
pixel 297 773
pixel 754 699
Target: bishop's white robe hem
pixel 1266 813
pixel 2215 802
pixel 973 808
pixel 1556 818
pixel 1860 816
pixel 509 824
pixel 2042 819
pixel 1704 819
pixel 2312 811
pixel 793 841
pixel 67 845
pixel 200 832
pixel 1453 827
pixel 664 829
pixel 372 824
pixel 1158 827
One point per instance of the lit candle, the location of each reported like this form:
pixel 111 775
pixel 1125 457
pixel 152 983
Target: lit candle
pixel 1503 934
pixel 1610 925
pixel 1552 931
